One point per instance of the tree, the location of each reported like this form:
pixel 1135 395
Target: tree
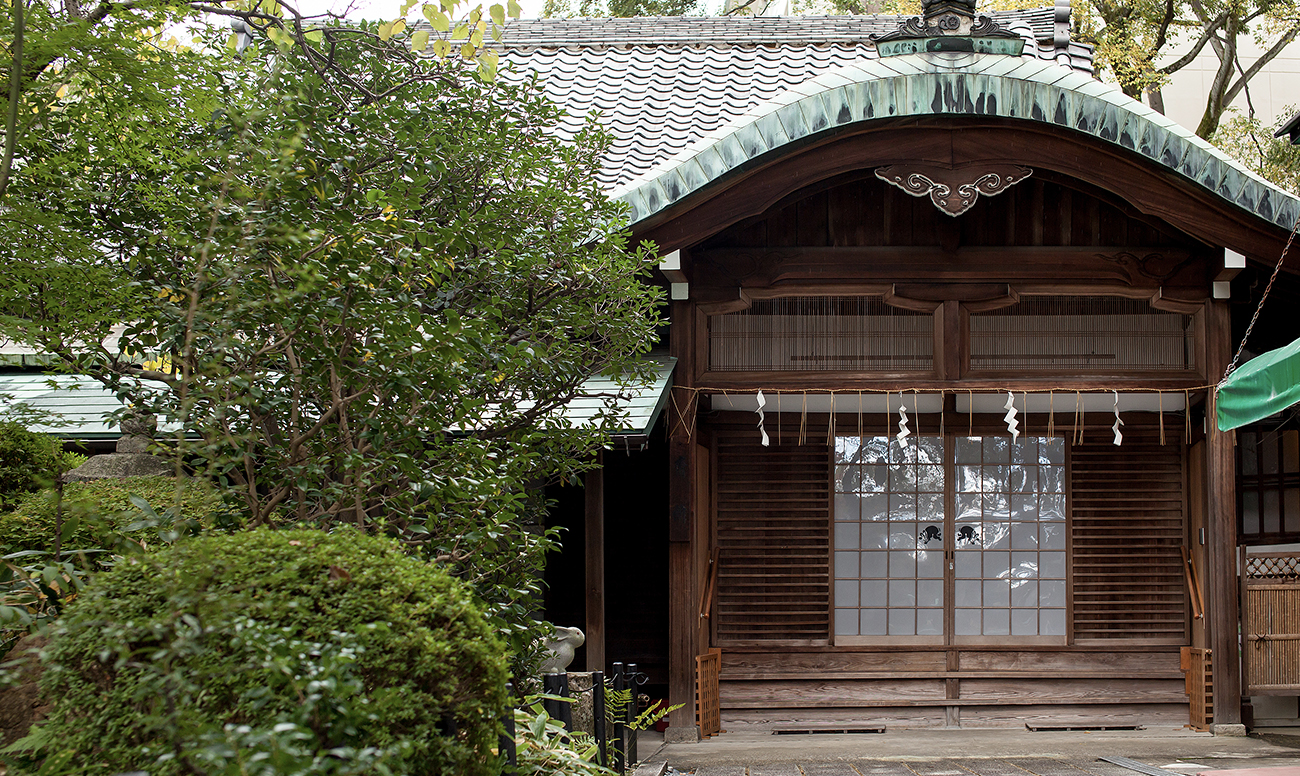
pixel 1134 37
pixel 361 282
pixel 621 8
pixel 1270 157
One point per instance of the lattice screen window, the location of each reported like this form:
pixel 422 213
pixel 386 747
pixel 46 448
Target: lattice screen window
pixel 1269 464
pixel 889 528
pixel 822 334
pixel 1007 534
pixel 1010 536
pixel 1095 334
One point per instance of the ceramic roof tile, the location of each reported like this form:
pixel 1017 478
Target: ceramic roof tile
pixel 662 84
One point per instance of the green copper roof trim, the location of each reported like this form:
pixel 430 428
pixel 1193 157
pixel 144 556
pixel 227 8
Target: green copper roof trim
pixel 896 48
pixel 961 84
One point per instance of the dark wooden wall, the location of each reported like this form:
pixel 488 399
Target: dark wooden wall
pixel 1128 603
pixel 859 229
pixel 859 209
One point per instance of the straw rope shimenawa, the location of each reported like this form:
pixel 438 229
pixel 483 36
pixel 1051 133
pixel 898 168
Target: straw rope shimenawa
pixel 1076 432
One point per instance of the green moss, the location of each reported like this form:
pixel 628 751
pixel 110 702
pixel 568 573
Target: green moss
pixel 432 661
pixel 99 507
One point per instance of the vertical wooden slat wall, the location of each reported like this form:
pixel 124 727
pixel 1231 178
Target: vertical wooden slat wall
pixel 773 538
pixel 1128 526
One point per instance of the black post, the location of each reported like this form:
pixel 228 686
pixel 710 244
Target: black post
pixel 598 716
pixel 558 684
pixel 632 710
pixel 507 743
pixel 619 721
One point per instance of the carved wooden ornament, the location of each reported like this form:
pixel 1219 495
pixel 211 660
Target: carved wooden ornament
pixel 953 190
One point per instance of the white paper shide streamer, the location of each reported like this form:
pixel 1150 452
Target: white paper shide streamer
pixel 762 402
pixel 1119 438
pixel 903 431
pixel 1013 425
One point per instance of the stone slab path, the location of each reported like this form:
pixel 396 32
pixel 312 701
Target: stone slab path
pixel 1038 766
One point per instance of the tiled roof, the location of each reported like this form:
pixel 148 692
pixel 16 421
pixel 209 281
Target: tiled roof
pixel 79 403
pixel 956 84
pixel 662 83
pixel 732 30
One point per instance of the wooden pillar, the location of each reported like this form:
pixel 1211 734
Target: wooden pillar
pixel 1221 530
pixel 682 615
pixel 594 483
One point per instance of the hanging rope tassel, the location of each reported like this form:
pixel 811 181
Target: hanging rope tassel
pixel 862 442
pixel 970 413
pixel 1078 418
pixel 1024 401
pixel 1013 425
pixel 1160 398
pixel 1051 413
pixel 762 402
pixel 803 421
pixel 1119 438
pixel 830 426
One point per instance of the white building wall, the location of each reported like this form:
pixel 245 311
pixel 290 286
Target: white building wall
pixel 1275 88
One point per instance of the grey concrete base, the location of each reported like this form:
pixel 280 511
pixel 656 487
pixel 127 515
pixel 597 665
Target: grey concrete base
pixel 651 769
pixel 678 734
pixel 1228 730
pixel 1156 745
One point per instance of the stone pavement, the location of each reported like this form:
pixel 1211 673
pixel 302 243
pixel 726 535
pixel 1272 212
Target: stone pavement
pixel 986 767
pixel 975 753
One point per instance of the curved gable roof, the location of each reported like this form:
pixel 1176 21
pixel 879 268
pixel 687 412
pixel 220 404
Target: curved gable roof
pixel 954 85
pixel 660 84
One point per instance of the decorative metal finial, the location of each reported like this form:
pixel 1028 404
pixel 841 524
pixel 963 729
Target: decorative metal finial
pixel 949 25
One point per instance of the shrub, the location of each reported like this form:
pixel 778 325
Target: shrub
pixel 28 461
pixel 337 648
pixel 98 508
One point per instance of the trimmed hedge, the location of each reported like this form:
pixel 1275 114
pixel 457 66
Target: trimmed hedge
pixel 28 461
pixel 99 507
pixel 431 665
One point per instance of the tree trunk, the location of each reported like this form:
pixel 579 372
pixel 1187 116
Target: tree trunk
pixel 1156 99
pixel 1215 103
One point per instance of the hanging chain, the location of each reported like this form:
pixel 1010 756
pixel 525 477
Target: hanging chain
pixel 1242 347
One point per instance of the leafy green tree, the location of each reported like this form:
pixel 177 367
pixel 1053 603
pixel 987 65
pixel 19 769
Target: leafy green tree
pixel 1135 41
pixel 1272 158
pixel 621 8
pixel 360 277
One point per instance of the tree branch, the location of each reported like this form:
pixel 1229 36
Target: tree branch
pixel 15 91
pixel 1287 38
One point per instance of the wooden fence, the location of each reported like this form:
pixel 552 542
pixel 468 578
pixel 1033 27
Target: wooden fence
pixel 1270 594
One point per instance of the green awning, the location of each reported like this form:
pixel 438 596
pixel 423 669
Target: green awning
pixel 1263 386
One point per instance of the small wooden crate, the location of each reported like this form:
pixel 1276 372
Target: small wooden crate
pixel 708 709
pixel 1198 670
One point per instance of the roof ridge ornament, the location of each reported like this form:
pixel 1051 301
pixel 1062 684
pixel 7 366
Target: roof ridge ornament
pixel 949 25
